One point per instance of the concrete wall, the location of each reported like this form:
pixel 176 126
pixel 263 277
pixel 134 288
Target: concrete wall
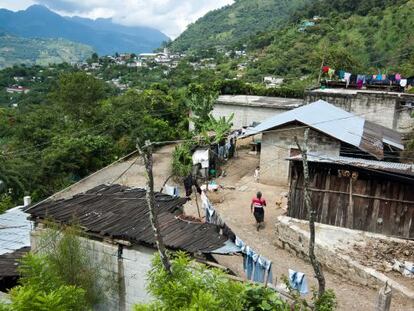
pixel 382 108
pixel 126 274
pixel 246 115
pixel 276 147
pixel 136 264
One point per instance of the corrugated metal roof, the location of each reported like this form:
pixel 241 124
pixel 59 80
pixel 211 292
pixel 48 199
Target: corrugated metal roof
pixel 406 169
pixel 14 230
pixel 9 262
pixel 122 213
pixel 337 123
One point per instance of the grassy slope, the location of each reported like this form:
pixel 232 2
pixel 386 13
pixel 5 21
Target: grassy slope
pixel 16 50
pixel 232 24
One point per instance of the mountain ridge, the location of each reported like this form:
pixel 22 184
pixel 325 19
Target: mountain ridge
pixel 38 21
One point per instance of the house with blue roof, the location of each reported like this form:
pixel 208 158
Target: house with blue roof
pixel 334 132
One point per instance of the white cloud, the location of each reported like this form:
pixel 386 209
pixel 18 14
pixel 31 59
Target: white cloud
pixel 169 16
pixel 15 5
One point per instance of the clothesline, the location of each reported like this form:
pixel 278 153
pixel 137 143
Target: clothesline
pixel 363 79
pixel 257 267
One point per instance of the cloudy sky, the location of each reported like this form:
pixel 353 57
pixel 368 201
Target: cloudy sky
pixel 169 16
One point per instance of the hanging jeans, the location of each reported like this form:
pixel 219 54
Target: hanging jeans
pixel 248 263
pixel 297 281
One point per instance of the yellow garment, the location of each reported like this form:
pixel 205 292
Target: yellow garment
pixel 331 72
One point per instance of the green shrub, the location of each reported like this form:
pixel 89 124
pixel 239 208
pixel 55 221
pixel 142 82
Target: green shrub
pixel 182 160
pixel 192 286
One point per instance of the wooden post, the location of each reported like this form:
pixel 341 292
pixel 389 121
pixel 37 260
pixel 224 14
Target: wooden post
pixel 146 154
pixel 198 207
pixel 384 299
pixel 320 70
pixel 267 275
pixel 350 214
pixel 165 182
pixel 312 214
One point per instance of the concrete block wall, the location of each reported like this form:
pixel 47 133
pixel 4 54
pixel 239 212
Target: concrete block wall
pixel 136 264
pixel 125 277
pixel 245 115
pixel 378 107
pixel 276 146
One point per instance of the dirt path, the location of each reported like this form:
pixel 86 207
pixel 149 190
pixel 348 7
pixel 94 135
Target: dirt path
pixel 129 173
pixel 235 211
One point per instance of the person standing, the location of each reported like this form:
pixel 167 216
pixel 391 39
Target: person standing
pixel 257 208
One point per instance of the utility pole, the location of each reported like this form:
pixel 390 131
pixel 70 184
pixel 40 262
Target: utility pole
pixel 320 70
pixel 312 213
pixel 146 154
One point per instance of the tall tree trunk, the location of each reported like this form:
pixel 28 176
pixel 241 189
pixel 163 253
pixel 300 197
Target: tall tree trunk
pixel 312 214
pixel 146 154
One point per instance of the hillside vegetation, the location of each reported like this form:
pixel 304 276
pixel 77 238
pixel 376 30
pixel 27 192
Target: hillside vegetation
pixel 376 40
pixel 233 23
pixel 18 50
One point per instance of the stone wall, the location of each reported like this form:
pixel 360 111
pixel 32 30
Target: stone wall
pixel 386 109
pixel 277 146
pixel 291 235
pixel 123 267
pixel 246 115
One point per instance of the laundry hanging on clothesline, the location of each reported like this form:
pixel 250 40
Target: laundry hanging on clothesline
pixel 297 280
pixel 214 218
pixel 256 267
pixel 365 79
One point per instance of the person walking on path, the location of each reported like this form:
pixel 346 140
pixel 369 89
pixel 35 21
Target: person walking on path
pixel 257 208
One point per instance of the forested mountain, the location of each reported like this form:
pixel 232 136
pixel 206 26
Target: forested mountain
pixel 359 36
pixel 103 35
pixel 35 51
pixel 233 23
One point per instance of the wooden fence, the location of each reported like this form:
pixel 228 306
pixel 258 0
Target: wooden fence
pixel 355 198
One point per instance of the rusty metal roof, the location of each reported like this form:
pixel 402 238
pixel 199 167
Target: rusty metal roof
pixel 394 167
pixel 9 262
pixel 121 212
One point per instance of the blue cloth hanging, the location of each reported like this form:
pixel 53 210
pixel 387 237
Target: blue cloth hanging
pixel 297 280
pixel 249 262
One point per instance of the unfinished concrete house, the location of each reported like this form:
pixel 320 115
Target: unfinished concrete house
pixel 389 109
pixel 334 132
pixel 116 224
pixel 249 109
